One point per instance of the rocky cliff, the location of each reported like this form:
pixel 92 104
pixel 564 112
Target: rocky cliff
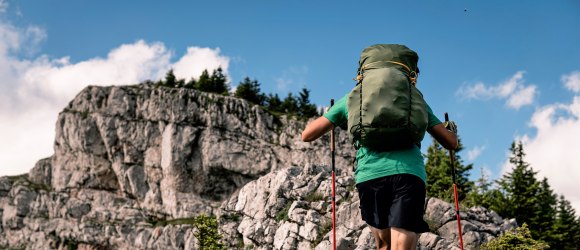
pixel 133 164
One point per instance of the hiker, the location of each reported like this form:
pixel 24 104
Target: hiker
pixel 390 180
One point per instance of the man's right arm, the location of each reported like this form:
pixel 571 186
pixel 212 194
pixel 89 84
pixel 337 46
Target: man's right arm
pixel 316 129
pixel 336 114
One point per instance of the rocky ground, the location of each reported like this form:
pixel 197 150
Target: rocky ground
pixel 133 165
pixel 291 209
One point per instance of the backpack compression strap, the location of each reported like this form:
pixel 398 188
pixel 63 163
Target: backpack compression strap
pixel 411 74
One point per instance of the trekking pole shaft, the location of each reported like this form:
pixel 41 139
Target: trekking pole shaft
pixel 452 161
pixel 333 185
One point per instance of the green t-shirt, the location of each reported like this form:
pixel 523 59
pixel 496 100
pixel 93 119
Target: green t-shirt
pixel 374 164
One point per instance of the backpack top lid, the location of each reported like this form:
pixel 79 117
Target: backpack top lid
pixel 389 52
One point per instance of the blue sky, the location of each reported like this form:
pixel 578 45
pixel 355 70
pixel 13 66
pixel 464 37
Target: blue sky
pixel 504 70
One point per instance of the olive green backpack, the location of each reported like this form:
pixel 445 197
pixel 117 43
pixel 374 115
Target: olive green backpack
pixel 385 109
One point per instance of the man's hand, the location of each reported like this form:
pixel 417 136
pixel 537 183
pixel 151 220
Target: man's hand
pixel 451 126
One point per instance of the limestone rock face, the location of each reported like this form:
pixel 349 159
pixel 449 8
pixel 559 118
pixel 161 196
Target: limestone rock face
pixel 133 155
pixel 167 147
pixel 133 165
pixel 291 209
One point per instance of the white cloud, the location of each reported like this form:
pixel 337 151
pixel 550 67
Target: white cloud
pixel 476 91
pixel 572 81
pixel 3 6
pixel 522 97
pixel 9 39
pixel 514 90
pixel 59 80
pixel 35 90
pixel 553 151
pixel 475 152
pixel 198 59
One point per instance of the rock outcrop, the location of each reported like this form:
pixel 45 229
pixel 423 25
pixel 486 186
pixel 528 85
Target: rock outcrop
pixel 133 155
pixel 291 209
pixel 133 164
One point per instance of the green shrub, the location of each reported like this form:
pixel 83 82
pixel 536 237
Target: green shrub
pixel 283 214
pixel 519 239
pixel 314 196
pixel 207 233
pixel 207 230
pixel 322 231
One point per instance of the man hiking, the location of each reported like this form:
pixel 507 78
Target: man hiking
pixel 390 173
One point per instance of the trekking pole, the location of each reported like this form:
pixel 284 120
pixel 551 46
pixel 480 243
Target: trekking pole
pixel 333 188
pixel 452 159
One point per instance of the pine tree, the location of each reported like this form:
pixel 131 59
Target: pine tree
pixel 545 214
pixel 290 104
pixel 190 84
pixel 216 83
pixel 439 180
pixel 180 83
pixel 273 103
pixel 219 82
pixel 203 83
pixel 483 194
pixel 523 193
pixel 250 90
pixel 566 230
pixel 306 109
pixel 170 79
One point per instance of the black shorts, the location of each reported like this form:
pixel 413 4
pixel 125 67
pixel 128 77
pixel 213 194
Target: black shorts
pixel 394 201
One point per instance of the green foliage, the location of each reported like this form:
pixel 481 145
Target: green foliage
pixel 519 238
pixel 545 213
pixel 282 215
pixel 526 199
pixel 520 195
pixel 71 244
pixel 306 109
pixel 322 230
pixel 274 103
pixel 207 230
pixel 170 79
pixel 314 196
pixel 190 84
pixel 216 83
pixel 250 90
pixel 439 179
pixel 290 105
pixel 482 194
pixel 566 230
pixel 207 233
